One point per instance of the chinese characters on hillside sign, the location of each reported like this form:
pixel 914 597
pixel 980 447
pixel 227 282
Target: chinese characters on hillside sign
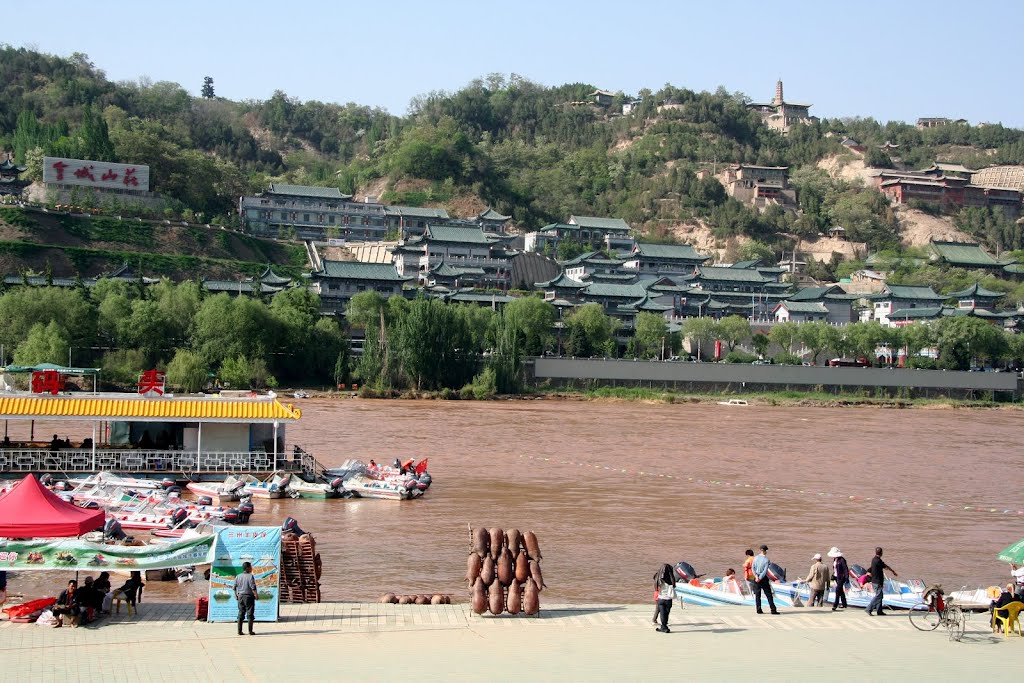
pixel 99 174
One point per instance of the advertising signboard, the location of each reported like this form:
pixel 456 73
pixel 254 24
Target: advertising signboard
pixel 262 547
pixel 104 175
pixel 74 553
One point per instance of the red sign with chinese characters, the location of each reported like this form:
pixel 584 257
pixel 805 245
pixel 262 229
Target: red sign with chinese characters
pixel 47 382
pixel 151 383
pixel 98 174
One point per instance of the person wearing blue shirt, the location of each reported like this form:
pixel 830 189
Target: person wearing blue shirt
pixel 762 582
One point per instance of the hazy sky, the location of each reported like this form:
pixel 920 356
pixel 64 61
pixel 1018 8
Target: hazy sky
pixel 889 60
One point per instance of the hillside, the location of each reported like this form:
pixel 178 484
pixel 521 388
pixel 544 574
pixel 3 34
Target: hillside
pixel 38 242
pixel 537 153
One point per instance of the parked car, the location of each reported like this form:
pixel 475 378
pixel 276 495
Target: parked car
pixel 848 363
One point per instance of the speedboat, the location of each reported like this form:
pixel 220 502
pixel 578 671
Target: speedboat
pixel 368 487
pixel 298 488
pixel 273 487
pixel 226 491
pixel 733 402
pixel 111 479
pixel 895 594
pixel 694 589
pixel 383 481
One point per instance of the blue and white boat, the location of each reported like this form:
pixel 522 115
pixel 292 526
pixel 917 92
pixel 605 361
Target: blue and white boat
pixel 695 589
pixel 896 594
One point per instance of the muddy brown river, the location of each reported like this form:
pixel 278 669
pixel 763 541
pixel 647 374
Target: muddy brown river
pixel 614 489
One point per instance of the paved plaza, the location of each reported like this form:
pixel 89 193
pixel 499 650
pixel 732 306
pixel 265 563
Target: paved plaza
pixel 373 642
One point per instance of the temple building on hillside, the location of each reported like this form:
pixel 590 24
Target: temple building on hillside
pixel 781 115
pixel 10 184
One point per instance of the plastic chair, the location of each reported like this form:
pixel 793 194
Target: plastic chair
pixel 1008 616
pixel 131 599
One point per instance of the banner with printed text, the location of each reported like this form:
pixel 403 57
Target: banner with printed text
pixel 74 553
pixel 261 546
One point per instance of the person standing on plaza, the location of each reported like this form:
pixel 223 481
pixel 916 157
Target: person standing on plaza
pixel 840 574
pixel 245 594
pixel 665 584
pixel 760 568
pixel 748 570
pixel 817 579
pixel 878 567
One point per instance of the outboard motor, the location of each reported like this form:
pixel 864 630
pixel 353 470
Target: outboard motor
pixel 167 484
pixel 46 480
pixel 173 489
pixel 179 516
pixel 238 486
pixel 337 483
pixel 112 530
pixel 776 573
pixel 410 484
pixel 204 500
pixel 67 498
pixel 425 478
pixel 292 526
pixel 61 485
pixel 231 516
pixel 245 511
pixel 686 572
pixel 422 484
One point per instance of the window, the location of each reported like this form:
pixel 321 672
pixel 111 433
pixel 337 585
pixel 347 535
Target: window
pixel 305 218
pixel 330 219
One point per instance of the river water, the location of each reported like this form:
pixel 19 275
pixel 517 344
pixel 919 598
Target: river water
pixel 613 490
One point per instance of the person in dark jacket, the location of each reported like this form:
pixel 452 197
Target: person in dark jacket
pixel 878 567
pixel 665 584
pixel 840 575
pixel 68 605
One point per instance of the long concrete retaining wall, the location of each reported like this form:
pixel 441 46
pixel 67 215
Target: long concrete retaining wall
pixel 744 377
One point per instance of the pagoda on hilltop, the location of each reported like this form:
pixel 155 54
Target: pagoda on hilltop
pixel 781 115
pixel 10 184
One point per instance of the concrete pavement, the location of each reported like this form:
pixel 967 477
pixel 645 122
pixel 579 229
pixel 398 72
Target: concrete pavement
pixel 373 642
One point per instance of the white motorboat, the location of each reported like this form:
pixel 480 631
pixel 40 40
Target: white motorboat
pixel 895 594
pixel 111 479
pixel 273 487
pixel 226 491
pixel 298 488
pixel 733 402
pixel 695 589
pixel 367 487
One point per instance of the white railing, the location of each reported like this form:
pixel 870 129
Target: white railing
pixel 130 460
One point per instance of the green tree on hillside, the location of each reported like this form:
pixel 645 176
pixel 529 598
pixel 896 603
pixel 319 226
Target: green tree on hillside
pixel 207 91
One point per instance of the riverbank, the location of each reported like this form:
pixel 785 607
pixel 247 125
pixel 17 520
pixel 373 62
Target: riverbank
pixel 592 642
pixel 642 395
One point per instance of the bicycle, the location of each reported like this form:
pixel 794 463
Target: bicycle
pixel 937 611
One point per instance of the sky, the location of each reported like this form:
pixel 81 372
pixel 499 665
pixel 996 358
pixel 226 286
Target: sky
pixel 888 60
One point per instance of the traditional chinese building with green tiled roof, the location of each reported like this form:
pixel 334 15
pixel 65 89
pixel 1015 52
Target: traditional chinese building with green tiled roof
pixel 664 258
pixel 976 296
pixel 964 255
pixel 338 281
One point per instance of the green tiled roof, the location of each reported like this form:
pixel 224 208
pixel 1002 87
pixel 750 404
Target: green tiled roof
pixel 308 191
pixel 976 291
pixel 803 306
pixel 746 264
pixel 354 270
pixel 415 212
pixel 811 293
pixel 445 270
pixel 924 313
pixel 965 254
pixel 669 251
pixel 268 276
pixel 579 259
pixel 611 277
pixel 563 281
pixel 492 215
pixel 600 223
pixel 603 289
pixel 733 274
pixel 447 233
pixel 908 292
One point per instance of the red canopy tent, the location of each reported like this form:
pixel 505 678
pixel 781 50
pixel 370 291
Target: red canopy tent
pixel 29 510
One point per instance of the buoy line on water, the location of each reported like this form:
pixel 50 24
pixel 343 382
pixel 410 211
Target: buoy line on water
pixel 781 489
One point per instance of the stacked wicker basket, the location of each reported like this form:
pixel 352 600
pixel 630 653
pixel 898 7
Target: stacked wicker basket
pixel 503 571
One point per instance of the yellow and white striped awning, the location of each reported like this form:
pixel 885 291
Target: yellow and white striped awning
pixel 131 408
